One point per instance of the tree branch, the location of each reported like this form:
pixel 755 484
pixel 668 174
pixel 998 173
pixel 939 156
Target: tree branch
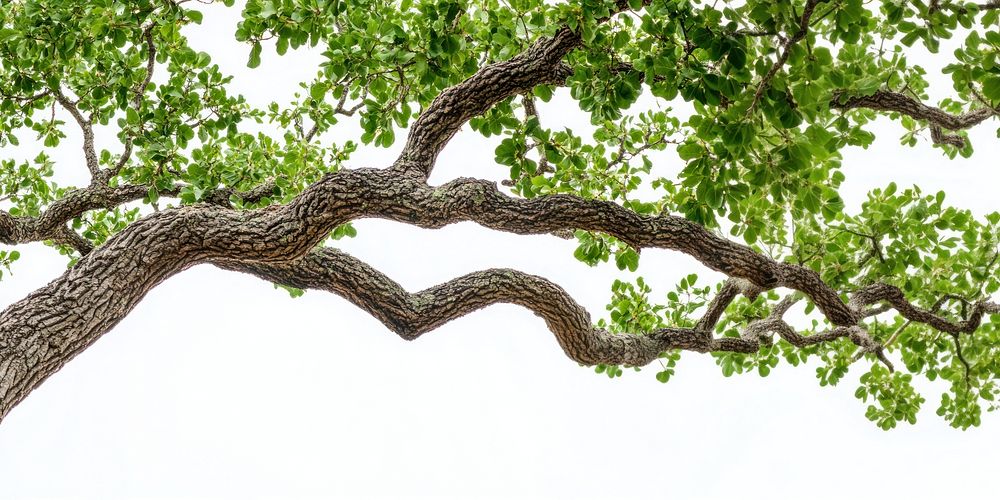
pixel 411 315
pixel 50 224
pixel 138 93
pixel 891 294
pixel 539 64
pixel 43 331
pixel 885 100
pixel 786 49
pixel 731 288
pixel 87 127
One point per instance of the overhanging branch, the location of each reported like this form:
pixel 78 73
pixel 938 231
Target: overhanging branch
pixel 938 119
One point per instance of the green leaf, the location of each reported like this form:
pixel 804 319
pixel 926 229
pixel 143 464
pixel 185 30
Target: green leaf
pixel 268 9
pixel 991 88
pixel 627 259
pixel 254 55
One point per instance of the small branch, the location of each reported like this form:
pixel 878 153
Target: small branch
pixel 786 49
pixel 875 311
pixel 530 111
pixel 878 292
pixel 961 358
pixel 731 288
pixel 874 239
pixel 138 92
pixel 343 109
pixel 885 100
pixel 67 236
pixel 221 196
pixel 86 126
pixel 27 100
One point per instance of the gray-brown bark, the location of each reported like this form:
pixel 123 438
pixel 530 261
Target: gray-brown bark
pixel 938 119
pixel 42 332
pixel 540 64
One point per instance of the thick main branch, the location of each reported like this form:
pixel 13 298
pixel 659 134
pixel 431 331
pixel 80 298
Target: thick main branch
pixel 46 329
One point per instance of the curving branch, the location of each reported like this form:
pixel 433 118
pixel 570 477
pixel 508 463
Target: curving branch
pixel 65 235
pixel 50 224
pixel 893 102
pixel 87 127
pixel 939 120
pixel 879 292
pixel 539 64
pixel 138 93
pixel 411 315
pixel 786 50
pixel 40 333
pixel 531 111
pixel 731 288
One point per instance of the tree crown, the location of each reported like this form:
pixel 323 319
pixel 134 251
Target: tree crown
pixel 710 124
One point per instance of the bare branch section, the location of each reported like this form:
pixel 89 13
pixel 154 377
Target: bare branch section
pixel 51 224
pixel 540 64
pixel 413 314
pixel 87 128
pixel 137 96
pixel 896 102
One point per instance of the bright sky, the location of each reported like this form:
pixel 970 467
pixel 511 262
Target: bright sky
pixel 220 386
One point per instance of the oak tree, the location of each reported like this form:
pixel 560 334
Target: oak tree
pixel 757 100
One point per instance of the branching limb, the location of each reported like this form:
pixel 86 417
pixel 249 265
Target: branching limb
pixel 879 292
pixel 939 120
pixel 411 315
pixel 51 223
pixel 786 50
pixel 137 96
pixel 731 288
pixel 775 323
pixel 539 64
pixel 67 236
pixel 531 111
pixel 87 127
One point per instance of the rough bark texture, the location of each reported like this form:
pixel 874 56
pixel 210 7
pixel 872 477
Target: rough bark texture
pixel 939 120
pixel 43 331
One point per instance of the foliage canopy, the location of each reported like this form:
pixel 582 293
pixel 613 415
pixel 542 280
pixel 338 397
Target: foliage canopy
pixel 757 100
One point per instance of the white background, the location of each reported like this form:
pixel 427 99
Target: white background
pixel 219 386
